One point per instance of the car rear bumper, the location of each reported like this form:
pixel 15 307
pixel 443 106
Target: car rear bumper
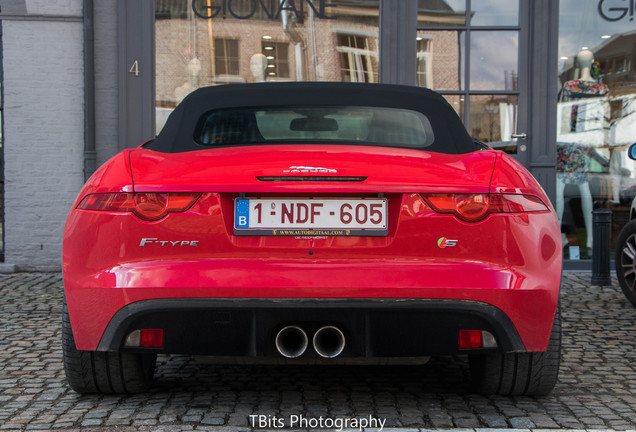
pixel 363 296
pixel 371 327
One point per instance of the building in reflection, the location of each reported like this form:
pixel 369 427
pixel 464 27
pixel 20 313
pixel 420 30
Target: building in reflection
pixel 297 43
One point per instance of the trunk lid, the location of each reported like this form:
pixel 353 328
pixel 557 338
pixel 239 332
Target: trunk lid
pixel 316 168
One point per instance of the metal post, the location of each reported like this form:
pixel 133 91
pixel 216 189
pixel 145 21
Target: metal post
pixel 601 247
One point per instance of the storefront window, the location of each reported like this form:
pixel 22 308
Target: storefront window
pixel 447 13
pixel 494 69
pixel 494 13
pixel 277 55
pixel 226 56
pixel 493 119
pixel 469 52
pixel 596 119
pixel 212 42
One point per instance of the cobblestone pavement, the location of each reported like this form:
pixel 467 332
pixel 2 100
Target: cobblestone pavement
pixel 596 389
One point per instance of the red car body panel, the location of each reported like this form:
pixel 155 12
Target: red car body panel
pixel 235 169
pixel 510 261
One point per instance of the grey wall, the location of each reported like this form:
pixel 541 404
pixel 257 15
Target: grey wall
pixel 106 87
pixel 43 126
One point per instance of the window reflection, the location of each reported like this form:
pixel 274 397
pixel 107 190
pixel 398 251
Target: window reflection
pixel 596 123
pixel 493 120
pixel 201 42
pixel 440 60
pixel 357 59
pixel 494 13
pixel 447 13
pixel 494 60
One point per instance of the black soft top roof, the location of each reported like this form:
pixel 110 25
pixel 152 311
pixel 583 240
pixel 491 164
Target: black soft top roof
pixel 178 133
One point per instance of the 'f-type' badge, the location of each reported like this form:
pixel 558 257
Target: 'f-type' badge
pixel 443 242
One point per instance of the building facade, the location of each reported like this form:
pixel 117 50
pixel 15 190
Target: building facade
pixel 84 79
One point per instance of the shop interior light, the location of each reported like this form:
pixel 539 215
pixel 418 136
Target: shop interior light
pixel 267 37
pixel 270 57
pixel 269 48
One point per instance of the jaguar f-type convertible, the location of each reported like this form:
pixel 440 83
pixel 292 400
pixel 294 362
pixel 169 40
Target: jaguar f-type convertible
pixel 315 223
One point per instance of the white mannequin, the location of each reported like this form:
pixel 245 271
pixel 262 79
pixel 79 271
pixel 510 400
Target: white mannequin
pixel 584 60
pixel 258 65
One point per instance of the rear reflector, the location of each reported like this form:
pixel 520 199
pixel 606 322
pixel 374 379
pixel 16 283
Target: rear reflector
pixel 472 339
pixel 150 206
pixel 145 338
pixel 475 207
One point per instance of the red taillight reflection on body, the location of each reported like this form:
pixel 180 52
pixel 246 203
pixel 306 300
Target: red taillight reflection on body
pixel 150 206
pixel 475 207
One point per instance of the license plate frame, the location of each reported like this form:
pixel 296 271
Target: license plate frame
pixel 371 218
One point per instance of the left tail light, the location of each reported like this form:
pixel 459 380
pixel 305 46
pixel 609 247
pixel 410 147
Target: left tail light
pixel 149 206
pixel 475 207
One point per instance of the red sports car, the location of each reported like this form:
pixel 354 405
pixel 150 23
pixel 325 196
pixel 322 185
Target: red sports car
pixel 312 221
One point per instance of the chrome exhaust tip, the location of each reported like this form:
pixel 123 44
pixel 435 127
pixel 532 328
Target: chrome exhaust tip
pixel 329 342
pixel 291 341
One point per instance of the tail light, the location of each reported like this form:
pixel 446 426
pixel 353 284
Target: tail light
pixel 145 338
pixel 471 339
pixel 475 207
pixel 150 206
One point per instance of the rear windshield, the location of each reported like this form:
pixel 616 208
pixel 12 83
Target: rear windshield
pixel 342 124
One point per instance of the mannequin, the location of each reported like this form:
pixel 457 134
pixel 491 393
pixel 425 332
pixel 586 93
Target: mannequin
pixel 258 65
pixel 572 157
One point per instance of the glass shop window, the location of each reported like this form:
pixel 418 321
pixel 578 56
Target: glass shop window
pixel 596 122
pixel 469 52
pixel 277 56
pixel 358 59
pixel 212 42
pixel 226 56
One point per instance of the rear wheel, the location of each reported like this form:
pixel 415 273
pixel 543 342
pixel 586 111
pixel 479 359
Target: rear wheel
pixel 516 374
pixel 104 372
pixel 626 261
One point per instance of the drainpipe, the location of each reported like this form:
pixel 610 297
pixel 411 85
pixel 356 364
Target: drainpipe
pixel 90 154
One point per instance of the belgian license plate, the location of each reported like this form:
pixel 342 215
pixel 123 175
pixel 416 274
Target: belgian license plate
pixel 311 216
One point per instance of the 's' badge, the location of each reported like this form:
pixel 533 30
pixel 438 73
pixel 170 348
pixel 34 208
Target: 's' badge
pixel 443 242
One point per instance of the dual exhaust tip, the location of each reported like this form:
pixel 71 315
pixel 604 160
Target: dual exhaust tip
pixel 328 341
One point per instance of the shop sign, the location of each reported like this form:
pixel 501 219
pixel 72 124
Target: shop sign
pixel 616 10
pixel 242 9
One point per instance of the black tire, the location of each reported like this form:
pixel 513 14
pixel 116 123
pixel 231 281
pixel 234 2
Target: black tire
pixel 104 372
pixel 625 259
pixel 517 374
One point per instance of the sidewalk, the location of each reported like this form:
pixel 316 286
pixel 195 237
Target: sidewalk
pixel 596 390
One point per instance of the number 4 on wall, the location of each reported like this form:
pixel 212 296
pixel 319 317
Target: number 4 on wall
pixel 135 68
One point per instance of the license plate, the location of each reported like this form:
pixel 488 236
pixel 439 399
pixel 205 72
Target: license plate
pixel 311 216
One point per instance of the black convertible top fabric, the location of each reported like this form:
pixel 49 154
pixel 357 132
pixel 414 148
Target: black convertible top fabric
pixel 178 134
